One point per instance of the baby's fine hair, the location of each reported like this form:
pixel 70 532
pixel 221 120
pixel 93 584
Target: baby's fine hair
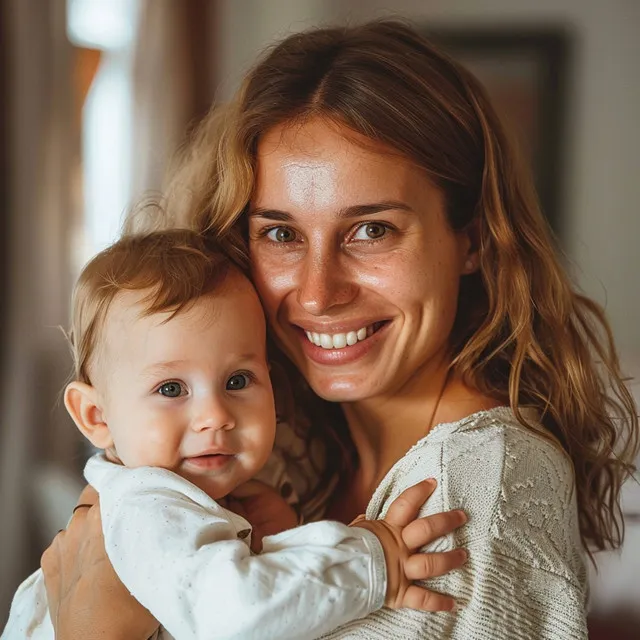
pixel 176 266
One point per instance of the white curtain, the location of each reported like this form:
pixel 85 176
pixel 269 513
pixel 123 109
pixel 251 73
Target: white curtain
pixel 172 84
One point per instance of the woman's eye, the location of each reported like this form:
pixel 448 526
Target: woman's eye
pixel 281 234
pixel 170 389
pixel 370 231
pixel 238 381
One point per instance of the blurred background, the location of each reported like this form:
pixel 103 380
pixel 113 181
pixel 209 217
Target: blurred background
pixel 95 97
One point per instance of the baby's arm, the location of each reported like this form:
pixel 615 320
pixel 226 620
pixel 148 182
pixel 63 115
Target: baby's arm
pixel 182 556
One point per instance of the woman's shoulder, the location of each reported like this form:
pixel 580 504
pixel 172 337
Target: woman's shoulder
pixel 516 485
pixel 497 439
pixel 491 449
pixel 519 440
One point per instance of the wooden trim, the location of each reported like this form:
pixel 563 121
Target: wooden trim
pixel 552 50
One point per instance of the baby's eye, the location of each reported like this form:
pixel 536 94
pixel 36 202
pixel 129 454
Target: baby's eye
pixel 170 389
pixel 238 381
pixel 370 231
pixel 281 234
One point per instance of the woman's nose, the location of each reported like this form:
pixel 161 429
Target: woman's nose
pixel 324 283
pixel 213 414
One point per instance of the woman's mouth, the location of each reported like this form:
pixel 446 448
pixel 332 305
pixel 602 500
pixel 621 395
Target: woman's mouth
pixel 342 340
pixel 343 347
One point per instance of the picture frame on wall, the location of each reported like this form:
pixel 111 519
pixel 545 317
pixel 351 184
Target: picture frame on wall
pixel 526 73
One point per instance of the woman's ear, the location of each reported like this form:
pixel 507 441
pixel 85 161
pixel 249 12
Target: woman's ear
pixel 83 404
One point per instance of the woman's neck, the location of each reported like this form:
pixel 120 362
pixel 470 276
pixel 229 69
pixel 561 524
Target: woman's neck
pixel 383 429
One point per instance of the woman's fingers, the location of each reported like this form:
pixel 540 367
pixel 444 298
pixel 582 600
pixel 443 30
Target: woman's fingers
pixel 421 566
pixel 407 505
pixel 424 530
pixel 424 600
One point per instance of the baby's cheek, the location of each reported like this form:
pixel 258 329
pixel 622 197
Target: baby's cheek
pixel 258 447
pixel 152 446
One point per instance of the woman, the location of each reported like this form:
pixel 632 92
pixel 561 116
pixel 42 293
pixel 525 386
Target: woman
pixel 409 276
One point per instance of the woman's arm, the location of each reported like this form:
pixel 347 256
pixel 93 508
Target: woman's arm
pixel 527 577
pixel 178 552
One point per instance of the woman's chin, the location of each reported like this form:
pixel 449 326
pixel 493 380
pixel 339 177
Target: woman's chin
pixel 341 389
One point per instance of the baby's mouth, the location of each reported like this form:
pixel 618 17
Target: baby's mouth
pixel 209 461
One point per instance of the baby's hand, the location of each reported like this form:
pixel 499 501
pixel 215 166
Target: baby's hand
pixel 264 508
pixel 401 534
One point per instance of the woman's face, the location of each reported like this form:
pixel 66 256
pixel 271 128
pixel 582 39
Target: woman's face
pixel 354 261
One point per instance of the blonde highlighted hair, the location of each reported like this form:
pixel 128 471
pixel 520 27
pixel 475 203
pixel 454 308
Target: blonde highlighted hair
pixel 175 268
pixel 522 334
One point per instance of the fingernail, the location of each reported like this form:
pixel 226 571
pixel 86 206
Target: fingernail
pixel 431 481
pixel 462 515
pixel 464 554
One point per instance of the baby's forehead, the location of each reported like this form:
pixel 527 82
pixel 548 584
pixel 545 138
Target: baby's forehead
pixel 131 314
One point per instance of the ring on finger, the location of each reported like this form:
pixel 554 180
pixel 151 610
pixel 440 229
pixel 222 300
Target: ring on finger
pixel 81 505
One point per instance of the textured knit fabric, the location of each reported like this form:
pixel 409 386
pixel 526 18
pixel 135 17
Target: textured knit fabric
pixel 526 575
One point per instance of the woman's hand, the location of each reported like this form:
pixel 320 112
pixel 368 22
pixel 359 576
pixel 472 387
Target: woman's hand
pixel 263 508
pixel 86 599
pixel 402 534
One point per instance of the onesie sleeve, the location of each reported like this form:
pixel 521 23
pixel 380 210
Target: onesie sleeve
pixel 186 559
pixel 29 615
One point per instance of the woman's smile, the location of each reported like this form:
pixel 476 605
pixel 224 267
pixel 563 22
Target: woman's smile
pixel 342 347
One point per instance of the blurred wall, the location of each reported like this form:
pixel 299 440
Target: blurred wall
pixel 34 429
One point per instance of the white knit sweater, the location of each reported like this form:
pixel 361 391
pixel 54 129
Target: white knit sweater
pixel 526 576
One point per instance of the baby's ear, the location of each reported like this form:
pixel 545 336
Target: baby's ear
pixel 83 404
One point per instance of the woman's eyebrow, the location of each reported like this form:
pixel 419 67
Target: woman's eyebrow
pixel 270 214
pixel 354 211
pixel 359 210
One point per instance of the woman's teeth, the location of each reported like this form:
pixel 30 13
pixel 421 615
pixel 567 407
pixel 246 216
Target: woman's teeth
pixel 339 340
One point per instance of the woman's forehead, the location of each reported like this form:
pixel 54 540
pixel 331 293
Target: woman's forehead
pixel 319 137
pixel 319 165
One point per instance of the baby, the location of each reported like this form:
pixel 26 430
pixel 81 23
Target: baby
pixel 172 382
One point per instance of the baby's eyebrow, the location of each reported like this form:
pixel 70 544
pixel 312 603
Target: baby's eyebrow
pixel 158 368
pixel 251 356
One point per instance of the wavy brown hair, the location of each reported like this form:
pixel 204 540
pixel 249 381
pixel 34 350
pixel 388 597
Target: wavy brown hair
pixel 523 335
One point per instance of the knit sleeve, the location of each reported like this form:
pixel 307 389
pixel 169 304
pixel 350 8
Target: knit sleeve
pixel 526 575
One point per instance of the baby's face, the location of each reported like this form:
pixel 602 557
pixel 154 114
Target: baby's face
pixel 191 394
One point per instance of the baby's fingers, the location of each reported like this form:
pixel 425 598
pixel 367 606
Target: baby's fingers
pixel 407 505
pixel 422 566
pixel 424 600
pixel 424 530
